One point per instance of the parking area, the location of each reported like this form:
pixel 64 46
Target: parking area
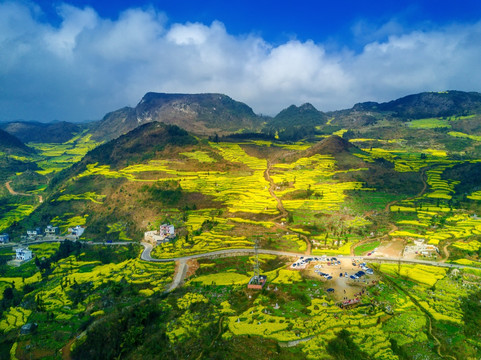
pixel 345 279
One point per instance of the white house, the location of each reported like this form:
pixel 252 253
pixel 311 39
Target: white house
pixel 23 254
pixel 167 230
pixel 33 233
pixel 76 230
pixel 4 238
pixel 51 230
pixel 165 234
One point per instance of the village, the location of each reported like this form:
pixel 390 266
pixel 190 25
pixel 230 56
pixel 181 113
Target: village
pixel 50 234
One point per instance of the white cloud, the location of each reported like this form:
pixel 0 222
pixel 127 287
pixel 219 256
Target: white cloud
pixel 88 65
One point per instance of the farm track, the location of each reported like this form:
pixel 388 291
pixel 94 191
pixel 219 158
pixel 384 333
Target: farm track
pixel 15 193
pixel 421 193
pixel 446 252
pixel 281 208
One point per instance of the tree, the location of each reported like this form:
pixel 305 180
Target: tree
pixel 8 294
pixel 343 347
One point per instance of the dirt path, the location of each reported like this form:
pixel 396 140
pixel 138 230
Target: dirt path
pixel 66 352
pixel 446 252
pixel 13 192
pixel 280 206
pixel 421 193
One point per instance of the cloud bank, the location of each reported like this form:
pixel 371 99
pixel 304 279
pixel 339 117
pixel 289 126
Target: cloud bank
pixel 88 65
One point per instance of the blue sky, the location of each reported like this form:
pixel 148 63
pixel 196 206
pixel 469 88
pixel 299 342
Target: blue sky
pixel 77 60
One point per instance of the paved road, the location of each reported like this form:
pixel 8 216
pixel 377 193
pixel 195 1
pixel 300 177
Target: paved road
pixel 50 240
pixel 146 255
pixel 182 268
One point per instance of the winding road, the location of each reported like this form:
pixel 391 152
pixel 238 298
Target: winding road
pixel 182 267
pixel 146 256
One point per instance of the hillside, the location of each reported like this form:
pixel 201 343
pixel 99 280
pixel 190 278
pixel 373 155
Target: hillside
pixel 140 144
pixel 32 131
pixel 201 114
pixel 332 145
pixel 100 186
pixel 295 122
pixel 12 145
pixel 15 157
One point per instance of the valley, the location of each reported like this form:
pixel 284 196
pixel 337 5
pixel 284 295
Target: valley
pixel 394 186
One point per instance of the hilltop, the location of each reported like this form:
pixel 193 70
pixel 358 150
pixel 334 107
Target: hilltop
pixel 140 144
pixel 427 104
pixel 332 145
pixel 202 114
pixel 296 122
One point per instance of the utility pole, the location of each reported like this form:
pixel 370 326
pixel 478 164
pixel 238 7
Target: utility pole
pixel 256 263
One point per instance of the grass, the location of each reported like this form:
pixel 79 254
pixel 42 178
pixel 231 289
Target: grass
pixel 364 248
pixel 230 175
pixel 200 156
pixel 463 135
pixel 90 196
pixel 14 214
pixel 431 123
pixel 221 278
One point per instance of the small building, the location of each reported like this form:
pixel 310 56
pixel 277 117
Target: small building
pixel 23 254
pixel 165 234
pixel 166 239
pixel 257 282
pixel 28 328
pixel 52 230
pixel 34 233
pixel 76 230
pixel 4 238
pixel 166 230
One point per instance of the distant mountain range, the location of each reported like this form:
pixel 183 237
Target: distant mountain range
pixel 210 114
pixel 427 104
pixel 33 131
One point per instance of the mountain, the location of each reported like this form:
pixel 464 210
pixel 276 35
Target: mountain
pixel 295 122
pixel 201 114
pixel 33 131
pixel 306 114
pixel 116 198
pixel 332 145
pixel 139 144
pixel 427 104
pixel 12 145
pixel 14 156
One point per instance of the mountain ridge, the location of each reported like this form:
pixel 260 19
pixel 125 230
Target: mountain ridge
pixel 201 114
